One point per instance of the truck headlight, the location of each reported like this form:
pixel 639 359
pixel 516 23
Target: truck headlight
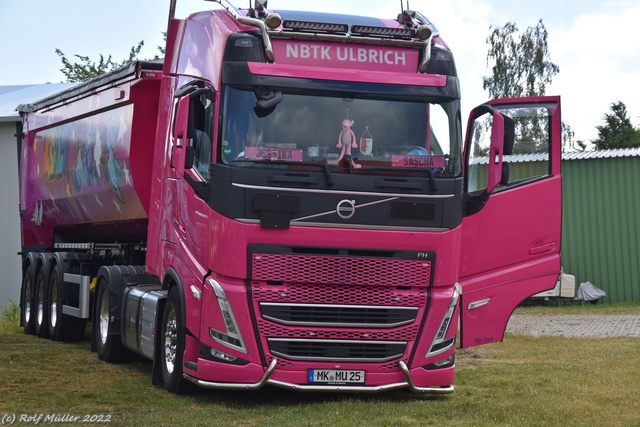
pixel 439 343
pixel 232 337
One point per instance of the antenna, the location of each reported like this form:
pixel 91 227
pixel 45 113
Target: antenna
pixel 172 13
pixel 401 7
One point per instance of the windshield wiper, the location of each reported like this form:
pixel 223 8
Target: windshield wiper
pixel 324 166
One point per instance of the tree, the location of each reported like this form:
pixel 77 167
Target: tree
pixel 87 68
pixel 521 67
pixel 521 62
pixel 617 132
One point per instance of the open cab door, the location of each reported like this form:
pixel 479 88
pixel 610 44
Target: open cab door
pixel 510 245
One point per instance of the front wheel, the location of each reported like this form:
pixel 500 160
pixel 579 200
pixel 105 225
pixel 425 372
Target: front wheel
pixel 173 345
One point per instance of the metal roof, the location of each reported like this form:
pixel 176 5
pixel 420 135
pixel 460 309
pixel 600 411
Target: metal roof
pixel 602 154
pixel 573 155
pixel 11 96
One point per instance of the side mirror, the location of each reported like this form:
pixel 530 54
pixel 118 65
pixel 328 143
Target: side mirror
pixel 496 152
pixel 189 156
pixel 178 158
pixel 183 122
pixel 505 173
pixel 509 135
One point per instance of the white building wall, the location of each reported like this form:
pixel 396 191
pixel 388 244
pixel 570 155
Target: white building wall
pixel 10 244
pixel 10 240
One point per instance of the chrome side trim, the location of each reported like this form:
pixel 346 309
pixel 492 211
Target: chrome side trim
pixel 354 226
pixel 442 350
pixel 331 212
pixel 477 304
pixel 84 296
pixel 277 304
pixel 337 359
pixel 350 193
pixel 343 324
pixel 238 386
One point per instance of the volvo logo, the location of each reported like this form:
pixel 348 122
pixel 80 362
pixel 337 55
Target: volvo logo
pixel 346 208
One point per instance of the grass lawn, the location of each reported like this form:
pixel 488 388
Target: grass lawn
pixel 523 381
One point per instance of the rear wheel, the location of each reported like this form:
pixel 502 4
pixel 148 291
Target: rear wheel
pixel 62 327
pixel 108 346
pixel 27 304
pixel 41 309
pixel 173 345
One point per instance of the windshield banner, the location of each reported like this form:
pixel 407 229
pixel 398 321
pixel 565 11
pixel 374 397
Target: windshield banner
pixel 334 55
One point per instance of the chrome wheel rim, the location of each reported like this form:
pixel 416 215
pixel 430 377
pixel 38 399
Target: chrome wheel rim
pixel 170 341
pixel 53 306
pixel 27 299
pixel 103 320
pixel 40 304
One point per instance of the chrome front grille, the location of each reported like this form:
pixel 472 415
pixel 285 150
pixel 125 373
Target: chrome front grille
pixel 338 350
pixel 338 315
pixel 338 308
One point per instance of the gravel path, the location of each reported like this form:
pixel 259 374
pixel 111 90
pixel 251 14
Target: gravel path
pixel 576 325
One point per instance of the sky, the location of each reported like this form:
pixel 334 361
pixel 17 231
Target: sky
pixel 594 42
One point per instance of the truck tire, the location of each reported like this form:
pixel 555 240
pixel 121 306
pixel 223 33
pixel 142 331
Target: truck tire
pixel 27 301
pixel 172 345
pixel 62 327
pixel 108 346
pixel 41 309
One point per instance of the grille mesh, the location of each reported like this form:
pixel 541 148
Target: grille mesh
pixel 327 270
pixel 332 294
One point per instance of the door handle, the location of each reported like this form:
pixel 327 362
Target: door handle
pixel 547 247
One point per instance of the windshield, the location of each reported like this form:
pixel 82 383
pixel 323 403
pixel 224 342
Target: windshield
pixel 262 125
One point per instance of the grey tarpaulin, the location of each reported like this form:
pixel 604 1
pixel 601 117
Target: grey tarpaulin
pixel 588 292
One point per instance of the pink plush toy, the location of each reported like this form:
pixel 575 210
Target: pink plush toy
pixel 347 140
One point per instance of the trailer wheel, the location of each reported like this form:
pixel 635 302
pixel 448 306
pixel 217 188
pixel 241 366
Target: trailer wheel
pixel 172 348
pixel 108 346
pixel 27 303
pixel 62 327
pixel 41 309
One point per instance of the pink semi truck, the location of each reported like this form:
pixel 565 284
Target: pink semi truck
pixel 287 200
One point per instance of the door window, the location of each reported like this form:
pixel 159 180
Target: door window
pixel 530 158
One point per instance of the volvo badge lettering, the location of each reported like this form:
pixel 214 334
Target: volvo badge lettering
pixel 346 208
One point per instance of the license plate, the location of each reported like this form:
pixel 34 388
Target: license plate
pixel 335 376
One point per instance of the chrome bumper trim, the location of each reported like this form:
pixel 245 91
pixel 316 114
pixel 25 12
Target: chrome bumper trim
pixel 328 387
pixel 430 390
pixel 317 388
pixel 233 386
